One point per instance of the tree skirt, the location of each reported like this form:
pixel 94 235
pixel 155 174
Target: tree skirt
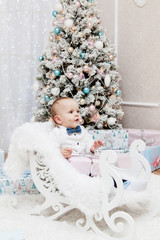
pixel 41 228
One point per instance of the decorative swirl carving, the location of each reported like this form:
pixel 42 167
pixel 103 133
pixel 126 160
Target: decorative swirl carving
pixel 43 174
pixel 140 3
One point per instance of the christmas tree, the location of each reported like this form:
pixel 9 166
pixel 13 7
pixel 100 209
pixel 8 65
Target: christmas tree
pixel 79 62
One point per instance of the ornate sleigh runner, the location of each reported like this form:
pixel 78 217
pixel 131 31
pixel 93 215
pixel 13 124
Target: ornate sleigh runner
pixel 65 189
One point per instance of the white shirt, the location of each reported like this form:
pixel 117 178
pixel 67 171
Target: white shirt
pixel 78 142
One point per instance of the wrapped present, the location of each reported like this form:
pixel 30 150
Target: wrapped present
pixel 152 154
pixel 112 139
pixel 18 187
pixel 90 165
pixel 1 156
pixel 149 136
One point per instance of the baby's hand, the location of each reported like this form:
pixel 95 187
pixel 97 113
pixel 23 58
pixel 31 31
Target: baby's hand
pixel 96 144
pixel 66 152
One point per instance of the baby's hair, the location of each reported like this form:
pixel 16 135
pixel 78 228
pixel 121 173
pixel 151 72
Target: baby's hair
pixel 53 108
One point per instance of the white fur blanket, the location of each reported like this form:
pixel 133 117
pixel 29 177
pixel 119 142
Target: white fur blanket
pixel 83 191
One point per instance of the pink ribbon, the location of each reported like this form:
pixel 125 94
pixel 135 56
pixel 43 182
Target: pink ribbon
pixel 156 162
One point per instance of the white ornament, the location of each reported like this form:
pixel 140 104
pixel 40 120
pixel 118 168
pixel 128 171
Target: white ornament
pixel 107 80
pixel 111 121
pixel 99 45
pixel 68 23
pixel 58 7
pixel 55 91
pixel 36 86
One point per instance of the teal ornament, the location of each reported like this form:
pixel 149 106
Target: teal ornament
pixel 54 13
pixel 57 72
pixel 118 92
pixel 57 30
pixel 46 98
pixel 41 58
pixel 86 90
pixel 90 0
pixel 100 34
pixel 82 55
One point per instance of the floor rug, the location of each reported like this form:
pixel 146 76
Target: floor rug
pixel 41 228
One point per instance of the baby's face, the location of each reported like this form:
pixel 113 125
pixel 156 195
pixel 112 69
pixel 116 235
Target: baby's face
pixel 69 113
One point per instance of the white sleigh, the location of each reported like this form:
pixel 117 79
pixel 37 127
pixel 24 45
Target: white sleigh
pixel 64 188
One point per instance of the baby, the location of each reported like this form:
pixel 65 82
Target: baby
pixel 69 136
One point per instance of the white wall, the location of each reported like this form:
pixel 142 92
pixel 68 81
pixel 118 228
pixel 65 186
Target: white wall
pixel 138 57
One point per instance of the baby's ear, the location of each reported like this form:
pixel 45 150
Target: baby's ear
pixel 57 119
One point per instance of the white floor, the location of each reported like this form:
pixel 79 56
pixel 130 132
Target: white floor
pixel 41 228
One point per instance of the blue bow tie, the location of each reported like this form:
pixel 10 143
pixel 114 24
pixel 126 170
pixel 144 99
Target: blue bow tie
pixel 73 130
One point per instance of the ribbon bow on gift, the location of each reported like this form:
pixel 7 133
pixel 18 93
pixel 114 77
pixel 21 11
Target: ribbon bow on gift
pixel 156 162
pixel 73 130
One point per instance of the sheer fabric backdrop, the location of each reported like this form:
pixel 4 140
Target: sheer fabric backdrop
pixel 24 32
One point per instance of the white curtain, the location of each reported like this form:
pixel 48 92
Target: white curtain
pixel 24 32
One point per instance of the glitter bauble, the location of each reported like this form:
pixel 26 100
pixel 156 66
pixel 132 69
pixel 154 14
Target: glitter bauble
pixel 70 75
pixel 57 30
pixel 99 45
pixel 98 103
pixel 111 57
pixel 81 121
pixel 77 4
pixel 86 69
pixel 57 72
pixel 70 49
pixel 50 38
pixel 111 121
pixel 82 102
pixel 92 108
pixel 54 13
pixel 46 98
pixel 86 90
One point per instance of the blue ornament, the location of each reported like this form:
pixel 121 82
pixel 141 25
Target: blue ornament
pixel 118 92
pixel 100 34
pixel 90 0
pixel 41 58
pixel 57 72
pixel 86 90
pixel 82 55
pixel 54 13
pixel 46 98
pixel 57 30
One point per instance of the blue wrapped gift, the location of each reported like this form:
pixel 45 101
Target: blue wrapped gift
pixel 152 154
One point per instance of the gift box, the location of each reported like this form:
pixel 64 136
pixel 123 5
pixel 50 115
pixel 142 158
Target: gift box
pixel 90 165
pixel 112 139
pixel 149 136
pixel 152 154
pixel 18 187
